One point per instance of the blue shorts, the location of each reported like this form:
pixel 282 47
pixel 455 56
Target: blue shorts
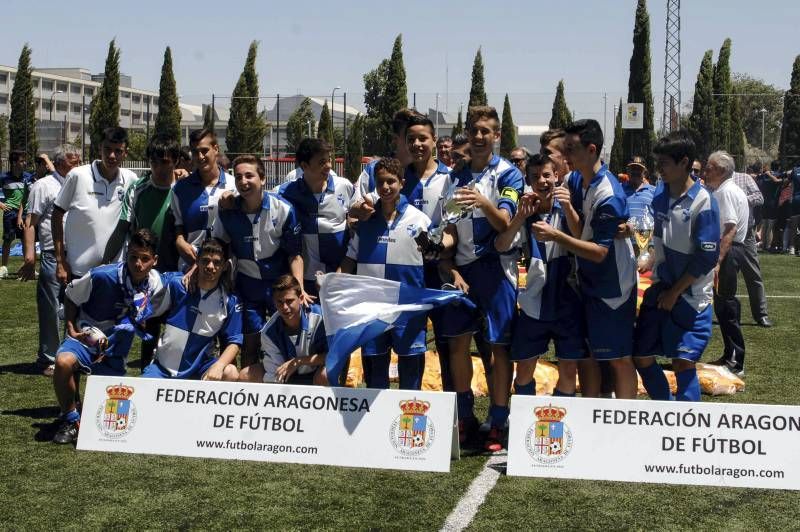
pixel 609 330
pixel 10 229
pixel 257 303
pixel 532 338
pixel 494 295
pixel 404 339
pixel 157 371
pixel 681 333
pixel 114 366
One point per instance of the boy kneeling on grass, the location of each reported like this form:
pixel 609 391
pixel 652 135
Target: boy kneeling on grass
pixel 293 342
pixel 103 310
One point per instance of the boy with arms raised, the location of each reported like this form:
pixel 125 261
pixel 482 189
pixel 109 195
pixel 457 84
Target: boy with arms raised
pixel 116 299
pixel 551 308
pixel 384 246
pixel 606 266
pixel 293 342
pixel 194 319
pixel 491 187
pixel 675 316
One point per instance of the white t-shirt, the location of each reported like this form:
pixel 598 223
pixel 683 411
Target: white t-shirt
pixel 733 208
pixel 41 199
pixel 93 206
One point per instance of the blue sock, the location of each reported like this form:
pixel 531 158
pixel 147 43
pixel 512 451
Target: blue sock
pixel 72 416
pixel 655 382
pixel 688 385
pixel 465 401
pixel 499 415
pixel 525 389
pixel 559 393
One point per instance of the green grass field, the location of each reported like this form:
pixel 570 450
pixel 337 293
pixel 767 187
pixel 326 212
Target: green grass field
pixel 45 486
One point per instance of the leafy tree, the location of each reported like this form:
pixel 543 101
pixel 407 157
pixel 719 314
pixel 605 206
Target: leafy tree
pixel 22 123
pixel 721 139
pixel 105 104
pixel 560 117
pixel 737 142
pixel 459 127
pixel 3 135
pixel 168 120
pixel 508 133
pixel 789 151
pixel 297 125
pixel 477 91
pixel 617 162
pixel 246 126
pixel 325 127
pixel 208 118
pixel 754 95
pixel 352 163
pixel 640 141
pixel 374 89
pixel 701 121
pixel 396 92
pixel 137 145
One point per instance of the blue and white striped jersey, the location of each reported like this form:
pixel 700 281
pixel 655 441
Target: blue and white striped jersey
pixel 366 181
pixel 279 346
pixel 502 183
pixel 602 207
pixel 425 193
pixel 262 243
pixel 193 321
pixel 195 206
pixel 323 221
pixel 105 295
pixel 390 251
pixel 639 200
pixel 548 296
pixel 686 240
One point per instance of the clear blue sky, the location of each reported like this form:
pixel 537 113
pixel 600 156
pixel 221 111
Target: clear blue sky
pixel 312 46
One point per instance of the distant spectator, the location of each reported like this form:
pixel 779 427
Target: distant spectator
pixel 793 223
pixel 444 149
pixel 769 183
pixel 519 157
pixel 15 185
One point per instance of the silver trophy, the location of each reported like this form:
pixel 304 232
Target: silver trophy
pixel 450 212
pixel 643 226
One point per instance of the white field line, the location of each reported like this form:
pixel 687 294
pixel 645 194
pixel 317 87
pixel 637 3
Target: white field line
pixel 467 507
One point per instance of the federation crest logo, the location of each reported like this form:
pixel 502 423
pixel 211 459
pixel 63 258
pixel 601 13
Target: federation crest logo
pixel 412 432
pixel 116 417
pixel 412 230
pixel 549 439
pixel 340 199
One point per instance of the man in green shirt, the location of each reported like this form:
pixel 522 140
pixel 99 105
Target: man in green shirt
pixel 15 185
pixel 147 205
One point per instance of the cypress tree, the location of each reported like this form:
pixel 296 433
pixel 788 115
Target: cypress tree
pixel 208 118
pixel 168 121
pixel 105 104
pixel 22 123
pixel 395 95
pixel 737 142
pixel 3 135
pixel 297 125
pixel 721 139
pixel 617 162
pixel 701 121
pixel 459 127
pixel 374 125
pixel 508 132
pixel 789 147
pixel 560 117
pixel 355 151
pixel 640 141
pixel 325 127
pixel 477 91
pixel 246 126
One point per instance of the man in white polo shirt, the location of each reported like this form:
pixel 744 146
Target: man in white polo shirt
pixel 733 219
pixel 92 195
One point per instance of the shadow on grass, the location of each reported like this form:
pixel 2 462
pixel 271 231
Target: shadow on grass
pixel 24 368
pixel 45 431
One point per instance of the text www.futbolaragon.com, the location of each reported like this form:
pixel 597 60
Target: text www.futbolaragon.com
pixel 242 445
pixel 734 472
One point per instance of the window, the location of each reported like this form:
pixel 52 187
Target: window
pixel 3 78
pixel 137 117
pixel 61 106
pixel 88 91
pixel 75 89
pixel 136 98
pixel 75 128
pixel 76 108
pixel 35 80
pixel 47 85
pixel 125 95
pixel 155 101
pixel 46 105
pixel 3 99
pixel 125 112
pixel 61 87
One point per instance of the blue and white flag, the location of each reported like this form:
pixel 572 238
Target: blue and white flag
pixel 357 309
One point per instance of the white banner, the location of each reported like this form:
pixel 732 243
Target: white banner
pixel 632 115
pixel 710 444
pixel 388 429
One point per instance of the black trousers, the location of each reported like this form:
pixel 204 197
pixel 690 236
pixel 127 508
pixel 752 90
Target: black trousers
pixel 728 309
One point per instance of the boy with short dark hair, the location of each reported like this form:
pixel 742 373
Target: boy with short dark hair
pixel 675 315
pixel 15 184
pixel 102 311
